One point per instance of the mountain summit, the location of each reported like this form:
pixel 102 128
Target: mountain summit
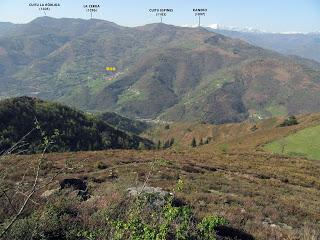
pixel 161 71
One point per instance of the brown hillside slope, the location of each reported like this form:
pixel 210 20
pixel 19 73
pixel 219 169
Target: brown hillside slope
pixel 269 196
pixel 242 137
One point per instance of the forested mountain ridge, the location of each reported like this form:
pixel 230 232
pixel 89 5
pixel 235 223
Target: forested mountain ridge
pixel 29 121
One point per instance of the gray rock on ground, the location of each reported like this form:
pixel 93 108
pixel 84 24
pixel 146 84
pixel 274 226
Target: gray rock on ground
pixel 134 191
pixel 49 193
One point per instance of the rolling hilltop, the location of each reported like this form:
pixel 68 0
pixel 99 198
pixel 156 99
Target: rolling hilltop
pixel 27 122
pixel 163 71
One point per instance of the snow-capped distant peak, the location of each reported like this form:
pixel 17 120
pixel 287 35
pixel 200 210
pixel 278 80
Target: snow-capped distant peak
pixel 233 28
pixel 214 26
pixel 217 26
pixel 190 26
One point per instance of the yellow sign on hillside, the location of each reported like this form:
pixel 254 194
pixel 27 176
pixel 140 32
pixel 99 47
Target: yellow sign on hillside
pixel 111 69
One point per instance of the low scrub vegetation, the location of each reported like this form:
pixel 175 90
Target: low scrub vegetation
pixel 290 121
pixel 149 216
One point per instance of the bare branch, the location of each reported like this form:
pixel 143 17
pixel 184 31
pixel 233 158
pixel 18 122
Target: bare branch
pixel 9 200
pixel 29 196
pixel 17 144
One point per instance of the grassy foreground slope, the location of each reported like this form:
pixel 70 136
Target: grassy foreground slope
pixel 305 142
pixel 268 196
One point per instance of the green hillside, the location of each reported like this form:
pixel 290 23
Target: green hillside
pixel 305 142
pixel 30 121
pixel 162 71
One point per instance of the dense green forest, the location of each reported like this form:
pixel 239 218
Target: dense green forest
pixel 31 121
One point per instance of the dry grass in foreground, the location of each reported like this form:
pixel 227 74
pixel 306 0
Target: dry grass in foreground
pixel 268 196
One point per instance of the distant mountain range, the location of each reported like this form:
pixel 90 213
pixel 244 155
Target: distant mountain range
pixel 303 45
pixel 163 71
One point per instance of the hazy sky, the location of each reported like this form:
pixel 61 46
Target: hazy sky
pixel 268 15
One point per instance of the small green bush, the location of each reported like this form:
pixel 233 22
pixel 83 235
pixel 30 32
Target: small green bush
pixel 290 121
pixel 193 142
pixel 100 165
pixel 58 220
pixel 208 225
pixel 224 148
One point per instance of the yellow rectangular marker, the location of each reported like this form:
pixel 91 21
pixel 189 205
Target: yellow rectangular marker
pixel 111 69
